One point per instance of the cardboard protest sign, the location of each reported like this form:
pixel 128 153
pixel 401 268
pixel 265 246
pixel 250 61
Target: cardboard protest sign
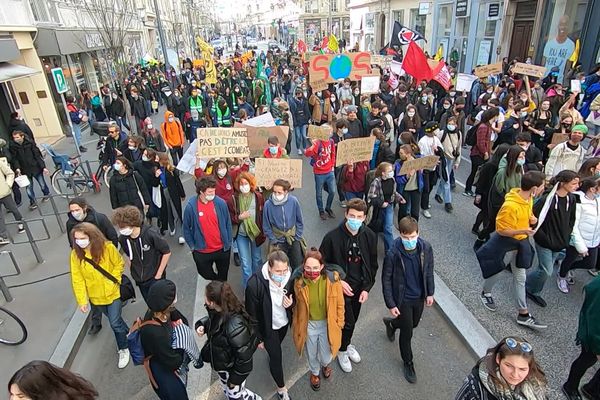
pixel 382 61
pixel 322 132
pixel 529 70
pixel 354 150
pixel 267 170
pixel 575 86
pixel 464 82
pixel 331 67
pixel 258 136
pixel 319 85
pixel 427 162
pixel 558 138
pixel 370 84
pixel 222 143
pixel 484 71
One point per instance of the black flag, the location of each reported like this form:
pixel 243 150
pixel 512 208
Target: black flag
pixel 402 35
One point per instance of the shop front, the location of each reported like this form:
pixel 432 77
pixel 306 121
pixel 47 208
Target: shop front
pixel 312 31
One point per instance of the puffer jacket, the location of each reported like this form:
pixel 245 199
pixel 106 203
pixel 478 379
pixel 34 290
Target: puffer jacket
pixel 124 190
pixel 230 344
pixel 7 177
pixel 26 157
pixel 586 232
pixel 89 284
pixel 335 307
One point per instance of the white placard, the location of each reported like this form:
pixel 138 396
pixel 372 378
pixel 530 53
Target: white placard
pixel 464 82
pixel 575 86
pixel 265 119
pixel 396 67
pixel 187 163
pixel 369 84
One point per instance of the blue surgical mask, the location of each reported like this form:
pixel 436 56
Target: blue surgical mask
pixel 277 278
pixel 410 244
pixel 345 130
pixel 521 162
pixel 117 167
pixel 353 224
pixel 273 149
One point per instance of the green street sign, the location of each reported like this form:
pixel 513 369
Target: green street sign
pixel 59 80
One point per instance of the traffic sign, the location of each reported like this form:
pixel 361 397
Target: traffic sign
pixel 59 80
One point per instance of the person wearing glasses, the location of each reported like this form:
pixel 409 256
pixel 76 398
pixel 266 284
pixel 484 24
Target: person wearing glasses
pixel 509 370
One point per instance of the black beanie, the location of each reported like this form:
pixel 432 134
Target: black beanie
pixel 431 127
pixel 161 295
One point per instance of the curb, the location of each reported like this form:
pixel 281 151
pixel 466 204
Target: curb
pixel 474 335
pixel 199 379
pixel 70 341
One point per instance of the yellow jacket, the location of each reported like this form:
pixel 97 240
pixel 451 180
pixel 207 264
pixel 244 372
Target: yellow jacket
pixel 89 284
pixel 514 213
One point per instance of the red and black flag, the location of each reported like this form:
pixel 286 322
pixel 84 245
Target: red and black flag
pixel 403 35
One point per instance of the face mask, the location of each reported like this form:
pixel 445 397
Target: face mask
pixel 521 161
pixel 117 167
pixel 132 148
pixel 346 85
pixel 446 106
pixel 452 94
pixel 332 98
pixel 114 96
pixel 83 243
pixel 567 127
pixel 135 96
pixel 345 130
pixel 525 147
pixel 236 90
pixel 389 175
pixel 424 99
pixel 312 275
pixel 78 215
pixel 484 108
pixel 126 231
pixel 279 197
pixel 144 158
pixel 356 92
pixel 19 140
pixel 523 114
pixel 171 119
pixel 420 89
pixel 149 126
pixel 273 149
pixel 319 94
pixel 245 189
pixel 490 91
pixel 410 244
pixel 353 224
pixel 411 114
pixel 209 197
pixel 451 128
pixel 221 172
pixel 516 126
pixel 277 278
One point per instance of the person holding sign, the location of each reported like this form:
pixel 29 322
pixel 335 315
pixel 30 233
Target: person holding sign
pixel 274 150
pixel 322 153
pixel 567 155
pixel 410 185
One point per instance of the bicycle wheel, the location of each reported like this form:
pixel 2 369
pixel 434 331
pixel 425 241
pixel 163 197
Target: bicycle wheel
pixel 107 174
pixel 12 329
pixel 68 184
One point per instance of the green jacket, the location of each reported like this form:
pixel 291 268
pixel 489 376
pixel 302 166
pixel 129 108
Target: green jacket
pixel 588 333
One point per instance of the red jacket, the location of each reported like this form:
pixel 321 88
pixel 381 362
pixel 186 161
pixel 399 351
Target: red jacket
pixel 280 153
pixel 354 181
pixel 484 137
pixel 224 187
pixel 323 154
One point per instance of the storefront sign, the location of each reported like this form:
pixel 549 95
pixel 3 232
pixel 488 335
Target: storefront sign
pixel 354 150
pixel 268 170
pixel 493 11
pixel 462 8
pixel 529 70
pixel 93 40
pixel 424 8
pixel 59 80
pixel 486 70
pixel 222 143
pixel 331 67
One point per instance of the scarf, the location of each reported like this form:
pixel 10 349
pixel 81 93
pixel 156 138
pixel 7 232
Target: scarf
pixel 527 390
pixel 245 201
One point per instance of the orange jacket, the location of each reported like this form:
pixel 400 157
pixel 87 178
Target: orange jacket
pixel 172 131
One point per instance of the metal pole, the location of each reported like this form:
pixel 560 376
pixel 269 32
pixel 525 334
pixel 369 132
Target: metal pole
pixel 57 214
pixel 34 247
pixel 189 14
pixel 161 35
pixel 329 19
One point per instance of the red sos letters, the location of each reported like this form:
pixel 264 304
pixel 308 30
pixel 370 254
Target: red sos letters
pixel 331 67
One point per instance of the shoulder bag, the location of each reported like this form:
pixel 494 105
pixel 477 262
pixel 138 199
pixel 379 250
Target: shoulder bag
pixel 126 287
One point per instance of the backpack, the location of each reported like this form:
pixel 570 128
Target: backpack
pixel 134 341
pixel 471 138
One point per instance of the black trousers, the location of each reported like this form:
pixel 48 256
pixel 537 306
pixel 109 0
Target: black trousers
pixel 585 361
pixel 351 312
pixel 273 347
pixel 413 200
pixel 476 162
pixel 176 154
pixel 572 260
pixel 410 315
pixel 204 264
pixel 428 183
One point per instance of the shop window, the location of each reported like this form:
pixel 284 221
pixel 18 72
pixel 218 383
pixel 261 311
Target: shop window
pixel 417 22
pixel 333 5
pixel 24 98
pixel 444 21
pixel 398 15
pixel 41 94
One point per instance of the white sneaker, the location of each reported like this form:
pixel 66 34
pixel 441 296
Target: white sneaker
pixel 123 358
pixel 563 286
pixel 300 152
pixel 181 240
pixel 426 214
pixel 353 354
pixel 172 232
pixel 344 361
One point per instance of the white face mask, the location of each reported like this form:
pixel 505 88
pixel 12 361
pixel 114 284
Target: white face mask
pixel 149 126
pixel 171 119
pixel 78 215
pixel 83 243
pixel 126 231
pixel 411 114
pixel 279 197
pixel 222 172
pixel 144 158
pixel 209 197
pixel 389 175
pixel 245 189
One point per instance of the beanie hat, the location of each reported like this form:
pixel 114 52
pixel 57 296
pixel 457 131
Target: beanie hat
pixel 431 127
pixel 351 108
pixel 161 295
pixel 580 128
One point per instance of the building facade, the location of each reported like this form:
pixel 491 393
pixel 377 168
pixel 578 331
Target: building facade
pixel 319 18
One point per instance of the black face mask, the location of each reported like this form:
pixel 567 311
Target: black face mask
pixel 567 127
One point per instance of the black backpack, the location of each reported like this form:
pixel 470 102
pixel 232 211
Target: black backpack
pixel 471 138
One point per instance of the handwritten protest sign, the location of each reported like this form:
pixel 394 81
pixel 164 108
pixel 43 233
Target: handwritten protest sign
pixel 427 162
pixel 484 71
pixel 318 85
pixel 575 86
pixel 267 170
pixel 331 67
pixel 382 61
pixel 369 84
pixel 529 70
pixel 464 82
pixel 258 136
pixel 322 132
pixel 354 150
pixel 558 138
pixel 222 142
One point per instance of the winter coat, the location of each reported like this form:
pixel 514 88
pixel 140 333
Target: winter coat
pixel 89 284
pixel 233 205
pixel 20 125
pixel 26 157
pixel 588 333
pixel 393 276
pixel 335 307
pixel 300 111
pixel 109 155
pixel 355 128
pixel 7 177
pixel 192 232
pixel 147 170
pixel 117 109
pixel 125 190
pixel 586 232
pixel 319 115
pixel 473 389
pixel 554 231
pixel 138 107
pixel 97 219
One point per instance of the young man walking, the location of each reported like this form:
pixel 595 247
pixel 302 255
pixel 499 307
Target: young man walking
pixel 407 282
pixel 352 246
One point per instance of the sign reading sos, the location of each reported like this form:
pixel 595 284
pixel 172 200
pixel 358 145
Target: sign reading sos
pixel 331 67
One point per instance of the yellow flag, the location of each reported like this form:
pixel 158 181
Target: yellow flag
pixel 440 53
pixel 209 63
pixel 575 56
pixel 333 43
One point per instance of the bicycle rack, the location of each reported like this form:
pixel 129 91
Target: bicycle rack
pixel 55 211
pixel 30 238
pixel 3 288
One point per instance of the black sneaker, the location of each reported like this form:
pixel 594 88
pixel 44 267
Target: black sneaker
pixel 467 193
pixel 488 301
pixel 571 394
pixel 330 213
pixel 94 329
pixel 439 199
pixel 448 207
pixel 82 149
pixel 409 372
pixel 390 331
pixel 530 322
pixel 537 299
pixel 236 259
pixel 4 240
pixel 587 391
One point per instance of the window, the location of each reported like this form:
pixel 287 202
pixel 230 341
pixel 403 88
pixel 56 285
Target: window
pixel 333 5
pixel 417 22
pixel 307 6
pixel 444 20
pixel 398 15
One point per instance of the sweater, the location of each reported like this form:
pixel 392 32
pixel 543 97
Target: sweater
pixel 482 144
pixel 192 232
pixel 323 154
pixel 283 217
pixel 562 157
pixel 555 230
pixel 514 213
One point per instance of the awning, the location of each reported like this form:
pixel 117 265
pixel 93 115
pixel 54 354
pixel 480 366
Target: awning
pixel 10 71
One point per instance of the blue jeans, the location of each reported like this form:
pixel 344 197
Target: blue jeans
pixel 77 134
pixel 320 180
pixel 537 277
pixel 443 188
pixel 300 136
pixel 354 195
pixel 148 107
pixel 42 182
pixel 388 227
pixel 118 325
pixel 250 257
pixel 122 122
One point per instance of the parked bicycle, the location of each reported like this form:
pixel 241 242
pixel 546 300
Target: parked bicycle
pixel 12 330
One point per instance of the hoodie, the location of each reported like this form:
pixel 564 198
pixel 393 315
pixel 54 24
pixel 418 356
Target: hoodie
pixel 283 217
pixel 323 154
pixel 145 253
pixel 514 213
pixel 172 131
pixel 554 232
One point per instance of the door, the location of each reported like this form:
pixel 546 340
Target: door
pixel 521 40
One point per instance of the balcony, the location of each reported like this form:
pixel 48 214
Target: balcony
pixel 15 13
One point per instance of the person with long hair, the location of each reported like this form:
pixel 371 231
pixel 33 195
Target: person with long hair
pixel 246 210
pixel 509 370
pixel 381 150
pixel 409 185
pixel 40 380
pixel 269 302
pixel 590 168
pixel 411 121
pixel 172 194
pixel 481 151
pixel 90 286
pixel 230 340
pixel 540 122
pixel 127 188
pixel 318 316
